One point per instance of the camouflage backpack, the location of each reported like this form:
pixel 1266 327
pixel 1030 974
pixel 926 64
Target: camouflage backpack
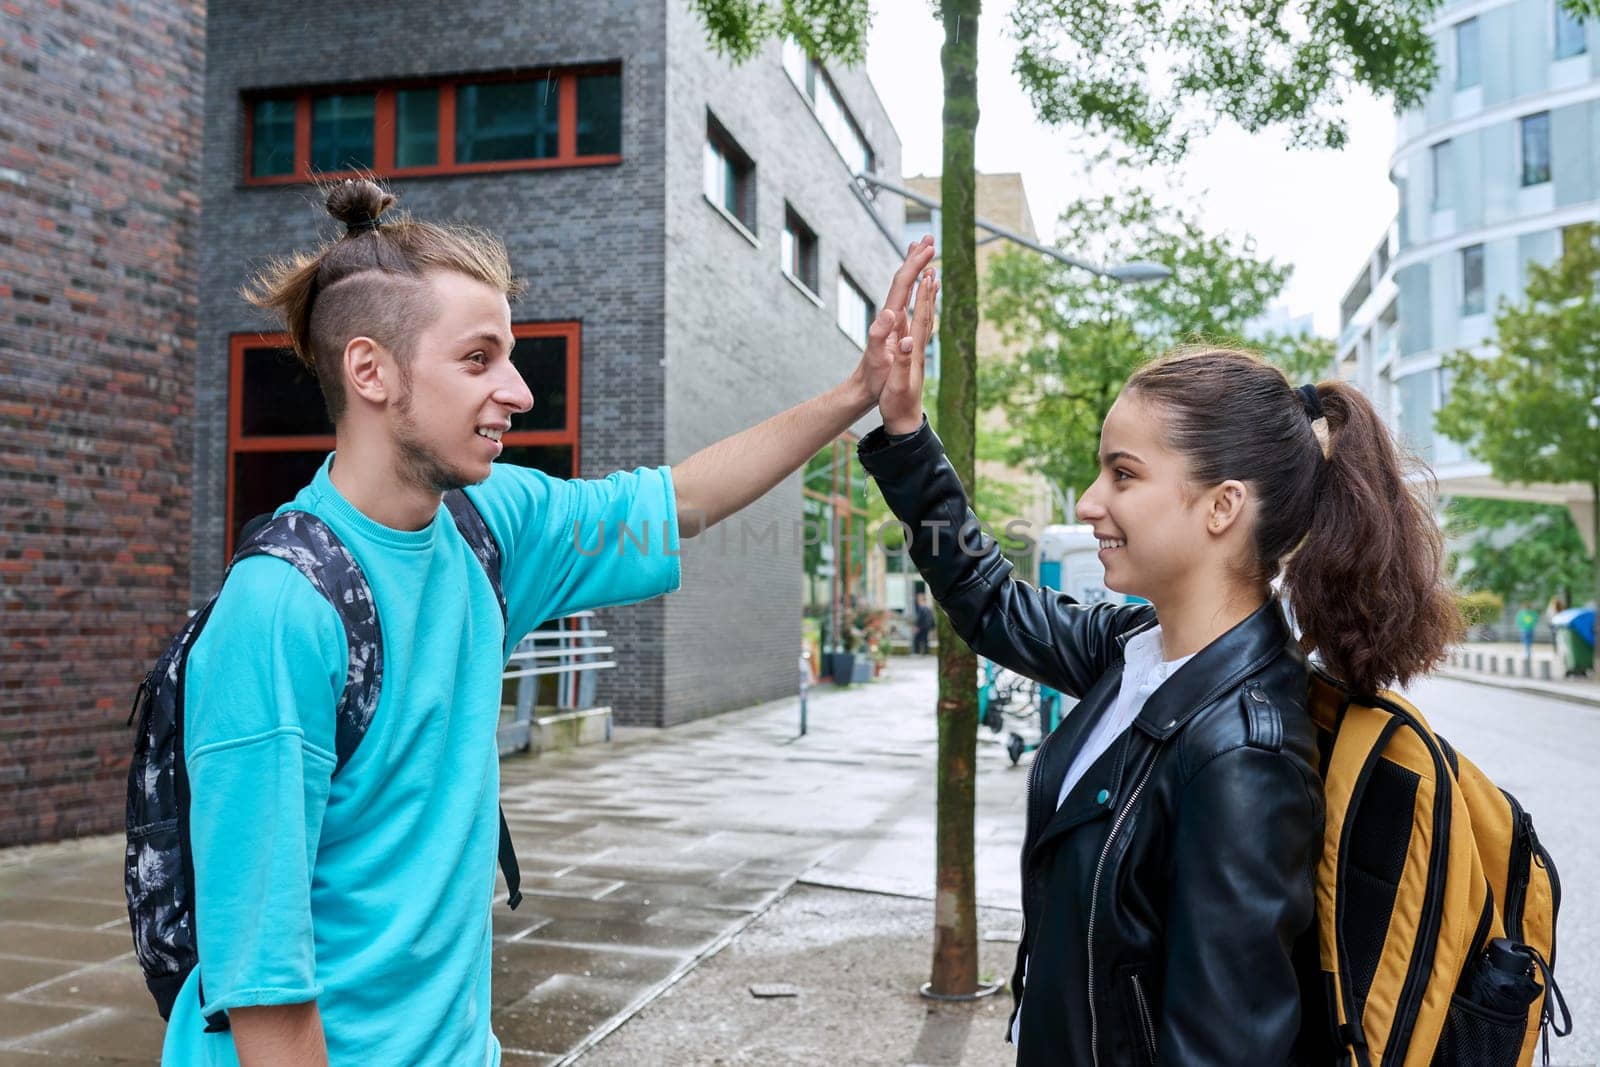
pixel 158 870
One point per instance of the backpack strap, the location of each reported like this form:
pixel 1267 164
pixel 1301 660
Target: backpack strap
pixel 476 533
pixel 307 543
pixel 479 539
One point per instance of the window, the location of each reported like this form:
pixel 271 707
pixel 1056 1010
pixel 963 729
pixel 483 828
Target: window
pixel 279 434
pixel 272 148
pixel 550 119
pixel 1415 393
pixel 829 107
pixel 1439 156
pixel 802 68
pixel 855 310
pixel 1468 70
pixel 416 128
pixel 600 115
pixel 278 429
pixel 799 250
pixel 1569 34
pixel 342 131
pixel 1536 148
pixel 546 436
pixel 501 121
pixel 1472 280
pixel 730 176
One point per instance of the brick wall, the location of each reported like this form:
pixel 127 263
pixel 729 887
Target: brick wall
pixel 99 213
pixel 743 343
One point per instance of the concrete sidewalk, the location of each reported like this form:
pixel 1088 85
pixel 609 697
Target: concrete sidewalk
pixel 640 860
pixel 1502 664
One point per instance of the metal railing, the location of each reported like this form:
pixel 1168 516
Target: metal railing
pixel 570 653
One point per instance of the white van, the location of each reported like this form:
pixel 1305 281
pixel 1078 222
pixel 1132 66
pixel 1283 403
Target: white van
pixel 1069 562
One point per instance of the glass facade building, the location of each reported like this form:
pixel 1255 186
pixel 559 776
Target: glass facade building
pixel 1498 161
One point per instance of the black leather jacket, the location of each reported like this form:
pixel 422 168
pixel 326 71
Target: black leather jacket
pixel 1168 903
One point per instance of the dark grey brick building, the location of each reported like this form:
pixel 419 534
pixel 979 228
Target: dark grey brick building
pixel 695 254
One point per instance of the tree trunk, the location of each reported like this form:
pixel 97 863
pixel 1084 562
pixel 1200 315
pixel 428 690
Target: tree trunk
pixel 955 944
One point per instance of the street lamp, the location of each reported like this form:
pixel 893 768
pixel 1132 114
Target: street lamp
pixel 1137 272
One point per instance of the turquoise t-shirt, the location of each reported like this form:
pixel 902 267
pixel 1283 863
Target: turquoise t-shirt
pixel 370 891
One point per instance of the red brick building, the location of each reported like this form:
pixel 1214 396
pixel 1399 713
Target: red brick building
pixel 99 229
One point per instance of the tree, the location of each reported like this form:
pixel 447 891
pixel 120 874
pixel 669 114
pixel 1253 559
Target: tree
pixel 1526 408
pixel 1522 551
pixel 955 936
pixel 833 28
pixel 1089 65
pixel 1078 338
pixel 1085 64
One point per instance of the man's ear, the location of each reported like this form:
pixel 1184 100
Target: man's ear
pixel 1226 504
pixel 368 370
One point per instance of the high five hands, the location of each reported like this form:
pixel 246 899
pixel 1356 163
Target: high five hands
pixel 895 359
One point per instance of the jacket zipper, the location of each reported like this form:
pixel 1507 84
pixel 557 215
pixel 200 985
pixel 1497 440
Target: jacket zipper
pixel 1145 1019
pixel 1027 845
pixel 1094 902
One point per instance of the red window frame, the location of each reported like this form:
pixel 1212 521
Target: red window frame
pixel 238 442
pixel 383 139
pixel 568 434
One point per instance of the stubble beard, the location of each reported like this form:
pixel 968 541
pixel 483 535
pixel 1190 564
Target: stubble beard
pixel 419 465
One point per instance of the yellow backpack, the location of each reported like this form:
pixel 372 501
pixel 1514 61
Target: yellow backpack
pixel 1425 863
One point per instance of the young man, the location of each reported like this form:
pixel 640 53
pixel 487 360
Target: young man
pixel 347 917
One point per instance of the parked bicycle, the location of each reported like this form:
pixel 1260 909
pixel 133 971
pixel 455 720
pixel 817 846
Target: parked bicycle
pixel 1004 696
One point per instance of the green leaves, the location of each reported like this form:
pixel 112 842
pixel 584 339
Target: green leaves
pixel 1525 552
pixel 832 28
pixel 1078 338
pixel 1527 408
pixel 1154 74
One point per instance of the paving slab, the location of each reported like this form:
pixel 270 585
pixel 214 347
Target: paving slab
pixel 853 962
pixel 642 859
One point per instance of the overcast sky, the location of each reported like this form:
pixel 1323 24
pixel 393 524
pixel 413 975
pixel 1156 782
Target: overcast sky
pixel 1322 212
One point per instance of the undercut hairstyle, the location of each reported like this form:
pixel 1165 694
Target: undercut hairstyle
pixel 1364 556
pixel 370 282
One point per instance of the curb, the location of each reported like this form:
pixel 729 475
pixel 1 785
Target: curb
pixel 682 971
pixel 1500 681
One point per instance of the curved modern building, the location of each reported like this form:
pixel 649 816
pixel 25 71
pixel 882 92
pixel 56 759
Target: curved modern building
pixel 1495 170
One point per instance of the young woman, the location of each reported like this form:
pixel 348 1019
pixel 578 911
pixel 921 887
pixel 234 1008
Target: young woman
pixel 1175 817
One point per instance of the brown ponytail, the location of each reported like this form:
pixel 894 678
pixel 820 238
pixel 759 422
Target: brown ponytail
pixel 1367 586
pixel 1364 574
pixel 369 282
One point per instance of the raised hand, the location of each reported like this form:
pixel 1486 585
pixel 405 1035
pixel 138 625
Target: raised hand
pixel 900 403
pixel 891 329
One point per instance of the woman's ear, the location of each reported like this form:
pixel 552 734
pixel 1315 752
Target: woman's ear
pixel 1226 504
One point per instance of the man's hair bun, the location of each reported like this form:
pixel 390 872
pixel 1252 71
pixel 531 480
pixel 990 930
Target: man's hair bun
pixel 358 203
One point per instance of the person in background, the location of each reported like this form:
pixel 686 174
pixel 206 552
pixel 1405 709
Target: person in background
pixel 921 625
pixel 1527 619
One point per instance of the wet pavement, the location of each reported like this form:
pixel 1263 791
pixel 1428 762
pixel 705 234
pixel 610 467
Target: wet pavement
pixel 850 964
pixel 640 860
